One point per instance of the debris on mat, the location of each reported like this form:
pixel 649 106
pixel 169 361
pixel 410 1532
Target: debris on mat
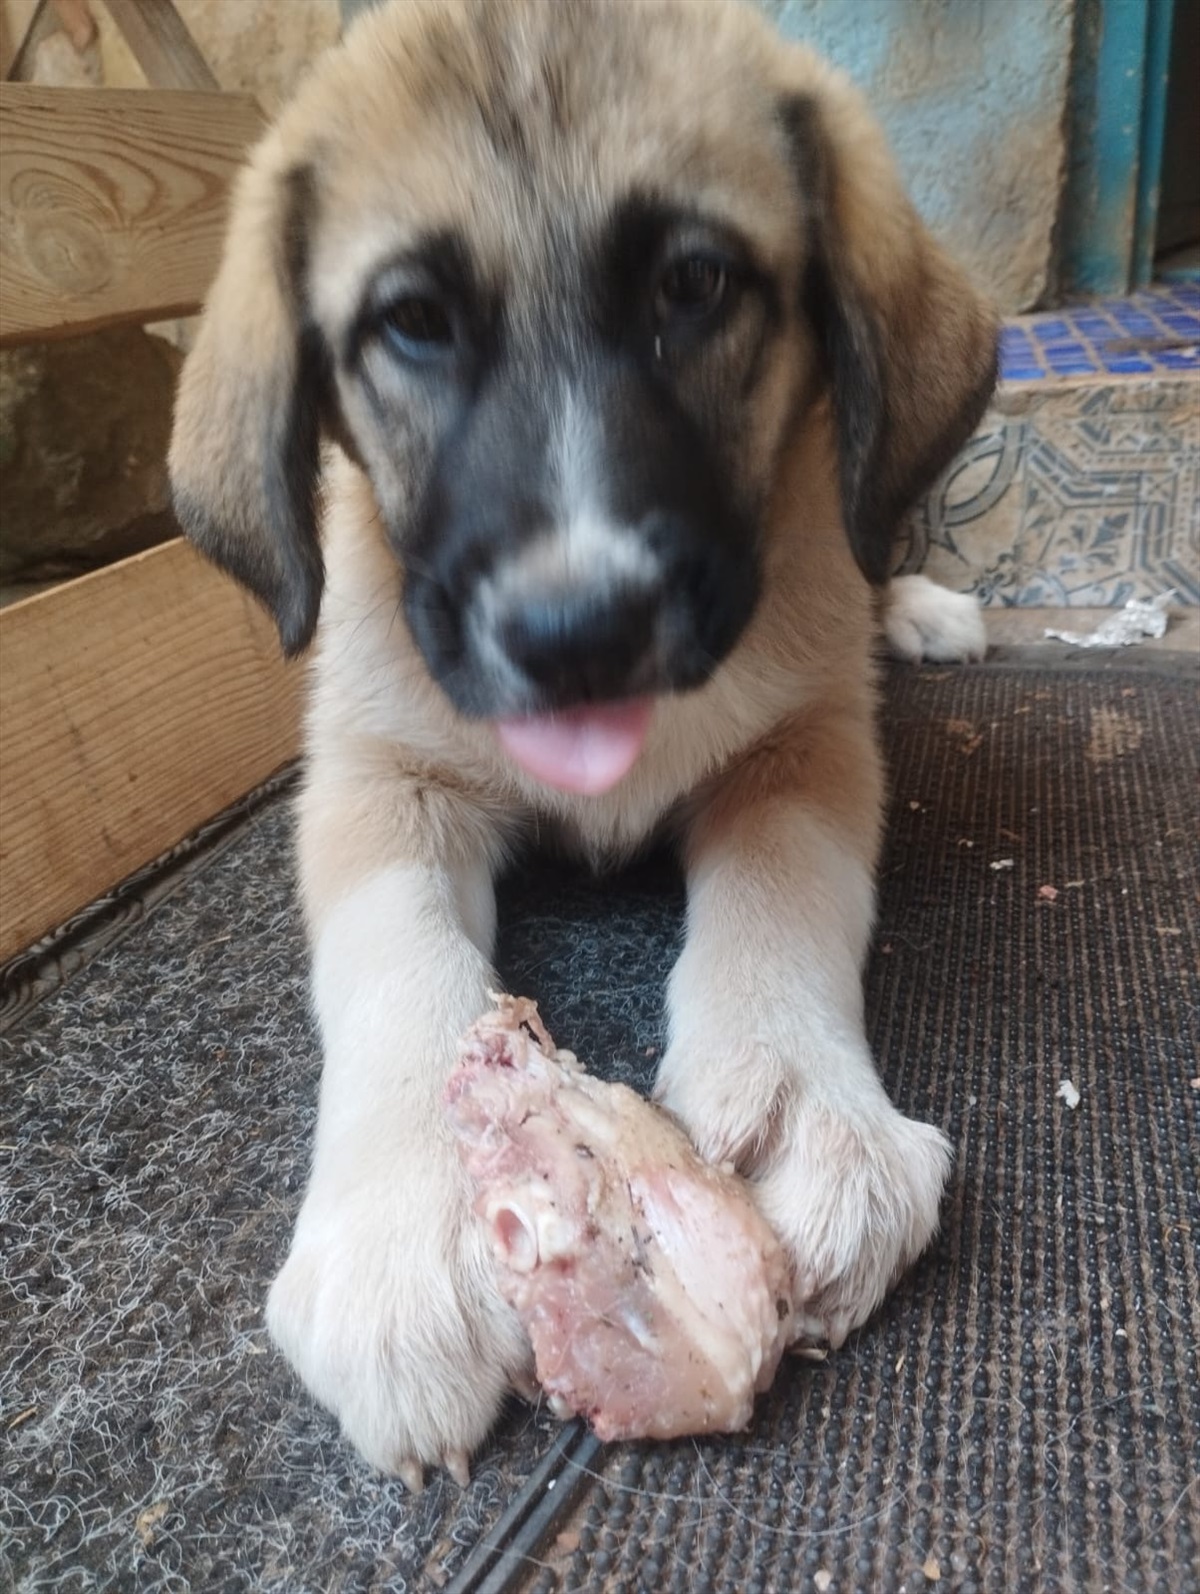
pixel 1068 1091
pixel 1139 619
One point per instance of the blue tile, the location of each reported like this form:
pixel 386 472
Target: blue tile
pixel 1021 373
pixel 1126 364
pixel 1139 325
pixel 1044 331
pixel 1179 360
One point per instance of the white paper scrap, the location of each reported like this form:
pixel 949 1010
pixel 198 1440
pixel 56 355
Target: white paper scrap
pixel 1139 619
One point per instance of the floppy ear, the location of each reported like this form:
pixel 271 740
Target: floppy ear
pixel 246 442
pixel 909 347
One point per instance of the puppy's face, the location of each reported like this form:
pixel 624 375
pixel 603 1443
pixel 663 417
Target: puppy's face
pixel 568 443
pixel 559 345
pixel 564 279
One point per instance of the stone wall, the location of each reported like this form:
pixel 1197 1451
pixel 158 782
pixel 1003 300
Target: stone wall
pixel 84 428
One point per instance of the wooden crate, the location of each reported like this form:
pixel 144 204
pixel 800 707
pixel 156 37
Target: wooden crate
pixel 137 701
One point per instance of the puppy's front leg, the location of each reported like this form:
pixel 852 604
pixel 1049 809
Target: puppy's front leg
pixel 386 1305
pixel 768 1063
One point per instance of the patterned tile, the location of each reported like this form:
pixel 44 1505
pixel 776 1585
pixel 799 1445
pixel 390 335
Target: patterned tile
pixel 1082 485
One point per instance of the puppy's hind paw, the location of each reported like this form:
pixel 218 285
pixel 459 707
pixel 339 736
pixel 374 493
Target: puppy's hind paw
pixel 924 621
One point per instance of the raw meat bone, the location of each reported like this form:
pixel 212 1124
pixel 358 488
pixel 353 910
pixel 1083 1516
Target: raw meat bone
pixel 656 1297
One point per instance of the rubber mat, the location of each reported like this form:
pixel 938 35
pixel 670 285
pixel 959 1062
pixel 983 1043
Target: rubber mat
pixel 1023 1414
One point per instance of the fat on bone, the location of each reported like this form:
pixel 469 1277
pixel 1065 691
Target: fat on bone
pixel 656 1297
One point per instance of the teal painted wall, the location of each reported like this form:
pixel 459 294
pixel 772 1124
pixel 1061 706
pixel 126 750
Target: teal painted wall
pixel 973 95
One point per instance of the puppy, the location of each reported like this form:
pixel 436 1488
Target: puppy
pixel 568 369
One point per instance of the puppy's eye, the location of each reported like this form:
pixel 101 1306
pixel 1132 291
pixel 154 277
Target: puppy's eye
pixel 419 328
pixel 691 288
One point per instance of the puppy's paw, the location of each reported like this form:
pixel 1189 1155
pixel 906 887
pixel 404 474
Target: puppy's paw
pixel 852 1188
pixel 855 1199
pixel 731 1105
pixel 924 621
pixel 388 1310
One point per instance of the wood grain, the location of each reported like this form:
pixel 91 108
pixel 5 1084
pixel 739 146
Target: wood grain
pixel 161 44
pixel 112 202
pixel 137 703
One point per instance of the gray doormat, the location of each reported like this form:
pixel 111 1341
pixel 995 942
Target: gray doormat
pixel 1022 1415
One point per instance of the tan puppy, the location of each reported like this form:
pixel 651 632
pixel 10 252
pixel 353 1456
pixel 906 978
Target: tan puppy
pixel 606 349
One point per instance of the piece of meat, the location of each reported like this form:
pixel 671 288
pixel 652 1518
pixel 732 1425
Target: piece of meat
pixel 656 1297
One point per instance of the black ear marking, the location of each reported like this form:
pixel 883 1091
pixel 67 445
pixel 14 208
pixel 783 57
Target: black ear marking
pixel 292 448
pixel 910 373
pixel 291 460
pixel 851 354
pixel 246 453
pixel 849 345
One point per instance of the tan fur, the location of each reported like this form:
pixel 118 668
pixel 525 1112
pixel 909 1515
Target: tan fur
pixel 385 1304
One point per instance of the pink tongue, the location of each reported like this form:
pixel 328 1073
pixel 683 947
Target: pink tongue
pixel 584 750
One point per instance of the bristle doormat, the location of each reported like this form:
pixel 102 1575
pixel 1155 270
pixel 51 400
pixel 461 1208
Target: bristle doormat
pixel 1023 1414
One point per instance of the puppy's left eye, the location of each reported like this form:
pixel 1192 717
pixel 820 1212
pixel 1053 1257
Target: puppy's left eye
pixel 419 328
pixel 691 289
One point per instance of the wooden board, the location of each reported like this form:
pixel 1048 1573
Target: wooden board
pixel 135 703
pixel 161 44
pixel 112 202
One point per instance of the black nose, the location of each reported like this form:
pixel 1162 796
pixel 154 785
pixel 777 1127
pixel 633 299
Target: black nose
pixel 582 646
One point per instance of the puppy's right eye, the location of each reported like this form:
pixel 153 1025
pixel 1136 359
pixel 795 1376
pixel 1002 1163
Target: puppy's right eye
pixel 691 289
pixel 420 329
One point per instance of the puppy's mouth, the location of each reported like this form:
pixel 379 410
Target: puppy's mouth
pixel 585 750
pixel 565 652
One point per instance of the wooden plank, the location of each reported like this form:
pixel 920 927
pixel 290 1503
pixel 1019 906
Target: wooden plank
pixel 22 28
pixel 112 202
pixel 138 702
pixel 161 44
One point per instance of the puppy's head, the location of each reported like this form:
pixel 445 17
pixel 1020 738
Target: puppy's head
pixel 564 280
